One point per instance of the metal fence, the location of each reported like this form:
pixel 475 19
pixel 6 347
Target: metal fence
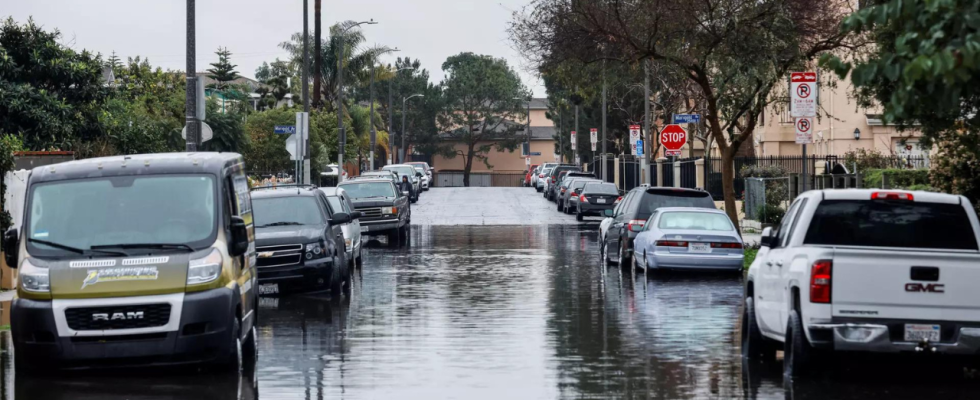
pixel 667 170
pixel 766 191
pixel 689 173
pixel 478 179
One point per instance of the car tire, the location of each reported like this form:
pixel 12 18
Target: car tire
pixel 337 282
pixel 755 346
pixel 624 258
pixel 605 257
pixel 558 206
pixel 579 217
pixel 796 349
pixel 359 261
pixel 250 349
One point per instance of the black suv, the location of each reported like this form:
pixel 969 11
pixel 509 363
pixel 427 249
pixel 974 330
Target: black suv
pixel 632 213
pixel 299 245
pixel 384 210
pixel 552 180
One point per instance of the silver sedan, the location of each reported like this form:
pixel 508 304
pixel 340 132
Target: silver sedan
pixel 688 238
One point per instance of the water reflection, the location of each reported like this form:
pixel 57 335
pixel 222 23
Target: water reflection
pixel 479 312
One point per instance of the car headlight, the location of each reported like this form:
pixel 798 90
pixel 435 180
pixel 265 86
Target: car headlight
pixel 206 269
pixel 315 250
pixel 389 210
pixel 33 278
pixel 349 244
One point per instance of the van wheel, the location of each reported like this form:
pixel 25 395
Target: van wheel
pixel 250 349
pixel 754 345
pixel 232 363
pixel 796 350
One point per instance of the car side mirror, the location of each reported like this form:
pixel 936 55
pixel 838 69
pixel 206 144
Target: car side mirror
pixel 356 215
pixel 608 213
pixel 340 218
pixel 418 174
pixel 767 239
pixel 10 247
pixel 239 237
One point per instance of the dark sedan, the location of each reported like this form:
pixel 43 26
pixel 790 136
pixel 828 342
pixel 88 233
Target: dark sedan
pixel 596 197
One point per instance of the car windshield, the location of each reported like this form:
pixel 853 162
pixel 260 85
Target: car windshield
pixel 369 189
pixel 402 170
pixel 122 210
pixel 286 210
pixel 905 224
pixel 546 171
pixel 601 188
pixel 701 221
pixel 419 168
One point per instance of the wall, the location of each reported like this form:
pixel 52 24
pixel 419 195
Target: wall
pixel 501 161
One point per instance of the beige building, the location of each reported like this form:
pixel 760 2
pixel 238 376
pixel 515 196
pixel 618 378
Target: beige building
pixel 842 126
pixel 542 147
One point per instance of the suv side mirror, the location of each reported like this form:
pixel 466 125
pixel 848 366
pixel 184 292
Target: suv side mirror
pixel 340 218
pixel 418 174
pixel 10 246
pixel 356 215
pixel 767 239
pixel 608 213
pixel 239 237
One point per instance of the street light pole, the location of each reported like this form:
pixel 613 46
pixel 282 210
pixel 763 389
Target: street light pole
pixel 340 96
pixel 401 150
pixel 644 162
pixel 190 109
pixel 306 91
pixel 391 111
pixel 374 133
pixel 605 170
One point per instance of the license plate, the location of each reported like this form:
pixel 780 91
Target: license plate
pixel 365 228
pixel 269 288
pixel 699 248
pixel 918 333
pixel 600 201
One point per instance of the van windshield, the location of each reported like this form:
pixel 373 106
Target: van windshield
pixel 122 210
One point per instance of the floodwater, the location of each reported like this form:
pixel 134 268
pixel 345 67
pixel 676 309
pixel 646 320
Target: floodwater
pixel 503 312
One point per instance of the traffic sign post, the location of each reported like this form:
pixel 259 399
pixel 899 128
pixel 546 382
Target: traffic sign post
pixel 594 136
pixel 803 107
pixel 672 138
pixel 634 138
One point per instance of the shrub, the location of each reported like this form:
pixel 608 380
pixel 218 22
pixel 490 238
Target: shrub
pixel 760 171
pixel 897 178
pixel 8 145
pixel 866 159
pixel 770 214
pixel 957 166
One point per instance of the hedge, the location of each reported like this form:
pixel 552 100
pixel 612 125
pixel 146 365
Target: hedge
pixel 897 178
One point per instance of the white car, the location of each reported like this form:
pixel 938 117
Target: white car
pixel 425 177
pixel 339 201
pixel 865 271
pixel 537 180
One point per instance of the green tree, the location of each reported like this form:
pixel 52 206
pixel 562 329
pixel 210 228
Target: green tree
pixel 736 57
pixel 267 151
pixel 229 132
pixel 223 71
pixel 407 77
pixel 924 69
pixel 263 73
pixel 482 101
pixel 114 62
pixel 50 95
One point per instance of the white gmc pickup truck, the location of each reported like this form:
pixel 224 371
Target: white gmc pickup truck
pixel 865 270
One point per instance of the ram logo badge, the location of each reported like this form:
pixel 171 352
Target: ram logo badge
pixel 117 316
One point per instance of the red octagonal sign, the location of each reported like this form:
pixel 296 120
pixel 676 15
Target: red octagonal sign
pixel 673 137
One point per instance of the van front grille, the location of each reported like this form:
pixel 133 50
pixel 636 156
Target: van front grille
pixel 118 317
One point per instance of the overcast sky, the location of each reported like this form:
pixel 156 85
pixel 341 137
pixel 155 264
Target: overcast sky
pixel 430 30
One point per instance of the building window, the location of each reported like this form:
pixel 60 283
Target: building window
pixel 784 115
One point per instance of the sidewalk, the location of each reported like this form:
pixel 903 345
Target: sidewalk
pixel 7 295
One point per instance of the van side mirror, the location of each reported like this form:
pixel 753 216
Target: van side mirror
pixel 340 218
pixel 356 215
pixel 239 237
pixel 767 239
pixel 608 213
pixel 10 247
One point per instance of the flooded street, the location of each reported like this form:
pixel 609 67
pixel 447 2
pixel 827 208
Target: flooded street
pixel 501 312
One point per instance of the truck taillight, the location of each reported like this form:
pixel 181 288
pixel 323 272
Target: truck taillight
pixel 636 225
pixel 820 279
pixel 582 199
pixel 892 196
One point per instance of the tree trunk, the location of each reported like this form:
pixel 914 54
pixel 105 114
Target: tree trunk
pixel 728 185
pixel 468 166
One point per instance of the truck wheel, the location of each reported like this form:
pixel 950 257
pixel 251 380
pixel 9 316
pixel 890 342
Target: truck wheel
pixel 754 345
pixel 796 350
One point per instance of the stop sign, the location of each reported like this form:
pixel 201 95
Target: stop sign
pixel 673 137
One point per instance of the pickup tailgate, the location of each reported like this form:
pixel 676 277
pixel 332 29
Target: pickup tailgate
pixel 939 286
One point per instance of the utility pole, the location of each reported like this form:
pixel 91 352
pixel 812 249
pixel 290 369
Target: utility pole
pixel 340 95
pixel 193 128
pixel 561 143
pixel 374 133
pixel 644 162
pixel 317 56
pixel 401 150
pixel 391 111
pixel 605 170
pixel 575 142
pixel 305 172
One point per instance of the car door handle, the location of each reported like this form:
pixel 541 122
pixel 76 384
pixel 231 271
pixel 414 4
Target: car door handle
pixel 769 263
pixel 779 263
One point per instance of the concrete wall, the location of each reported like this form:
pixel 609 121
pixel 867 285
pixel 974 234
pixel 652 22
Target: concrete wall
pixel 500 160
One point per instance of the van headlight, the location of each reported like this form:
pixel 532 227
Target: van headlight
pixel 33 278
pixel 204 270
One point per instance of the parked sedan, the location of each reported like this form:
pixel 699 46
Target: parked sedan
pixel 688 238
pixel 340 202
pixel 574 197
pixel 569 197
pixel 530 172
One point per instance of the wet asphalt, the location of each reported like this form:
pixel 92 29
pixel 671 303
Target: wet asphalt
pixel 467 310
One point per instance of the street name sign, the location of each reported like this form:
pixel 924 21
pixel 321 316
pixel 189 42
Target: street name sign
pixel 672 138
pixel 803 94
pixel 284 129
pixel 687 118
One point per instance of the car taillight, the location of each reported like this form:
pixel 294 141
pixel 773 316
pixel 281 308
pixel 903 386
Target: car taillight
pixel 636 225
pixel 671 243
pixel 563 190
pixel 820 278
pixel 540 175
pixel 582 199
pixel 618 199
pixel 726 245
pixel 892 196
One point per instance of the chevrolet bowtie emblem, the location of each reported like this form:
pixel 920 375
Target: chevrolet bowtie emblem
pixel 266 254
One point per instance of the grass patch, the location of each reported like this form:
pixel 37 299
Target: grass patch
pixel 749 257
